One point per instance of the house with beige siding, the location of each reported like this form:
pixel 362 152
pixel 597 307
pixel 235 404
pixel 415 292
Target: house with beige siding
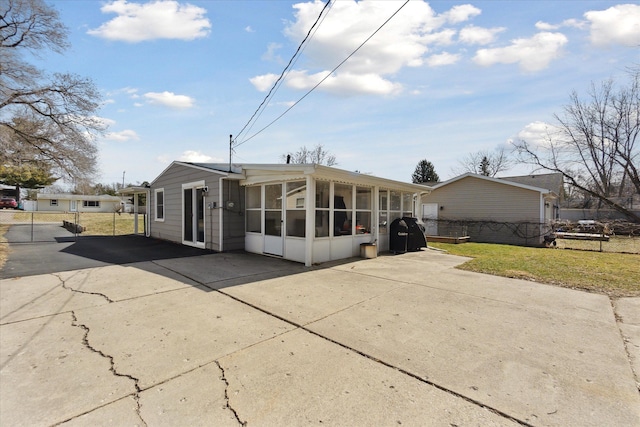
pixel 77 203
pixel 301 212
pixel 489 210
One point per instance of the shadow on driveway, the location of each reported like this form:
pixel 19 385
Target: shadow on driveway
pixel 74 253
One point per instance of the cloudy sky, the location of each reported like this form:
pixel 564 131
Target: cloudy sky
pixel 380 84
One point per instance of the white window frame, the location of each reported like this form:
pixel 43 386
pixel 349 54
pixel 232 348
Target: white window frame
pixel 53 202
pixel 155 204
pixel 91 204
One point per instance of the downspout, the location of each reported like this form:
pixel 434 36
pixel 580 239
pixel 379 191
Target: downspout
pixel 147 221
pixel 375 218
pixel 220 215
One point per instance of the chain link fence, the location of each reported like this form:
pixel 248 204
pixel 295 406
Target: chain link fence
pixel 603 236
pixel 34 227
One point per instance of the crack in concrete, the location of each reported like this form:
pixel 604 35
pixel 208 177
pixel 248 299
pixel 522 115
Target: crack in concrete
pixel 112 367
pixel 226 394
pixel 376 360
pixel 424 380
pixel 65 286
pixel 625 342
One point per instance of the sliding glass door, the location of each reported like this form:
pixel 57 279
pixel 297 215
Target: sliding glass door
pixel 193 230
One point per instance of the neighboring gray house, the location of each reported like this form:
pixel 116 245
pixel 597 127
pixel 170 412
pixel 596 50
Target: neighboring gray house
pixel 77 203
pixel 551 181
pixel 489 210
pixel 300 212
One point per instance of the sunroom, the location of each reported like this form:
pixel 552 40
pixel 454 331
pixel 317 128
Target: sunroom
pixel 313 213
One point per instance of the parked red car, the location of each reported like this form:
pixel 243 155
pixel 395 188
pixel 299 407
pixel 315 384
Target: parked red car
pixel 8 202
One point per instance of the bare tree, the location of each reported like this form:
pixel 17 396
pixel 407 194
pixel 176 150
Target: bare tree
pixel 593 144
pixel 317 155
pixel 43 119
pixel 484 162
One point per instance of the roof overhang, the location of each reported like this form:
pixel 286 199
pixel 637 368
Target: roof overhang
pixel 261 174
pixel 133 190
pixel 543 191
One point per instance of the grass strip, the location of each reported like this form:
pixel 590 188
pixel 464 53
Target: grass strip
pixel 613 274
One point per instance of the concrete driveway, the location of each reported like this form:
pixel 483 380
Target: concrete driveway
pixel 238 339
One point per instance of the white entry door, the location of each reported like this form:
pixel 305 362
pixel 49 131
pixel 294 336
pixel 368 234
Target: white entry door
pixel 273 236
pixel 430 218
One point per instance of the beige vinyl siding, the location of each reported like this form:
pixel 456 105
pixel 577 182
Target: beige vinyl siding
pixel 44 205
pixel 171 181
pixel 472 198
pixel 488 211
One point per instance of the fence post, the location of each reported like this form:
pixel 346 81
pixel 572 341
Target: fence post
pixel 114 223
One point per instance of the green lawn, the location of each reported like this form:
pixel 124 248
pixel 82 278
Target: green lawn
pixel 613 274
pixel 96 224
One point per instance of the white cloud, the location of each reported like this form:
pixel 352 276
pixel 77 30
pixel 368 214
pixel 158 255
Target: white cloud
pixel 161 19
pixel 270 54
pixel 402 42
pixel 344 83
pixel 122 136
pixel 571 23
pixel 169 99
pixel 532 54
pixel 104 121
pixel 619 24
pixel 461 13
pixel 538 134
pixel 263 82
pixel 248 29
pixel 197 157
pixel 478 35
pixel 443 58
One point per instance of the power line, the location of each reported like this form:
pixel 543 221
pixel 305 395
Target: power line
pixel 284 72
pixel 327 76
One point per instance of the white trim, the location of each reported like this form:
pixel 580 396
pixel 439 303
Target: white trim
pixel 155 204
pixel 310 221
pixel 495 180
pixel 193 185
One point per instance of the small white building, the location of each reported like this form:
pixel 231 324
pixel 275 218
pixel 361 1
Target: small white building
pixel 77 203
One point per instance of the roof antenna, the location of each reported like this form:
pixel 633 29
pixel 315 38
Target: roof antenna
pixel 230 150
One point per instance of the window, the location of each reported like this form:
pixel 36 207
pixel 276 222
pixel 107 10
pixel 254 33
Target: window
pixel 254 209
pixel 342 209
pixel 322 208
pixel 407 204
pixel 296 213
pixel 159 193
pixel 53 202
pixel 363 210
pixel 393 205
pixel 91 203
pixel 383 219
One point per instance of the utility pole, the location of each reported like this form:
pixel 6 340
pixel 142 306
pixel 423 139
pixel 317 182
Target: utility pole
pixel 230 150
pixel 123 172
